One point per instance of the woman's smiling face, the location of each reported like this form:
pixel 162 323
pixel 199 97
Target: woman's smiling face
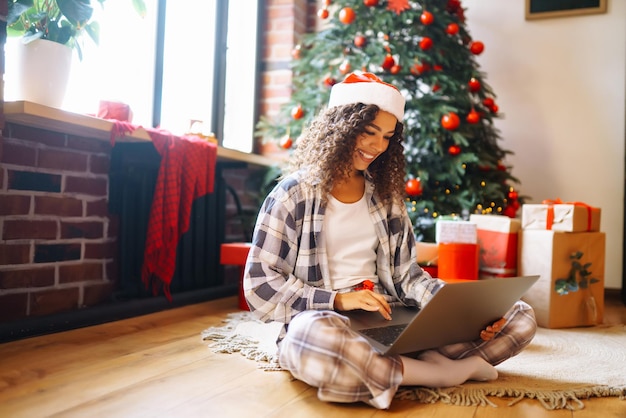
pixel 374 141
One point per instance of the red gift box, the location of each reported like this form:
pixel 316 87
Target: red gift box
pixel 498 238
pixel 115 111
pixel 458 261
pixel 236 253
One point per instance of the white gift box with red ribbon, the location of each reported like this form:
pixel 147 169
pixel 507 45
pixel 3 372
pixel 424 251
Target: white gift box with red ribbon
pixel 559 216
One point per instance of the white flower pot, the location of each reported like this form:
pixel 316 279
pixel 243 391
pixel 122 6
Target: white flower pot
pixel 42 72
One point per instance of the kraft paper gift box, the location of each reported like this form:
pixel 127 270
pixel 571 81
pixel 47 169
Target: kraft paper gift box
pixel 498 245
pixel 427 253
pixel 428 256
pixel 570 217
pixel 548 254
pixel 457 249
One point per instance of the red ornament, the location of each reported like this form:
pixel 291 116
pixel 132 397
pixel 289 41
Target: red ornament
pixel 476 47
pixel 286 142
pixel 509 211
pixel 388 62
pixel 370 3
pixel 395 69
pixel 426 43
pixel 453 6
pixel 436 87
pixel 494 108
pixel 437 67
pixel 360 41
pixel 413 187
pixel 474 85
pixel 450 121
pixel 323 13
pixel 296 53
pixel 347 15
pixel 419 68
pixel 473 117
pixel 297 112
pixel 452 29
pixel 329 81
pixel 454 150
pixel 427 18
pixel 488 102
pixel 512 195
pixel 345 67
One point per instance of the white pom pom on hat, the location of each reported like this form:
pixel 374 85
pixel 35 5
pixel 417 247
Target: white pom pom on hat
pixel 367 88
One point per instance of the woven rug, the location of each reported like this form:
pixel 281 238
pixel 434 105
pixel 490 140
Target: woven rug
pixel 560 368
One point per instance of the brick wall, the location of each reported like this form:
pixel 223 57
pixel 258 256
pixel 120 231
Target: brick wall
pixel 57 239
pixel 285 23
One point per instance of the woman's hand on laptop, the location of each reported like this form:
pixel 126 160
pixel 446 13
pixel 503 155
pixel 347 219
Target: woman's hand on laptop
pixel 363 299
pixel 488 333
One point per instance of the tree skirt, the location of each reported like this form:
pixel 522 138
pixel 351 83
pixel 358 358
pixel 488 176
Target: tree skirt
pixel 560 368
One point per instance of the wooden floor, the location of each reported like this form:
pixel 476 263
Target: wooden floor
pixel 157 366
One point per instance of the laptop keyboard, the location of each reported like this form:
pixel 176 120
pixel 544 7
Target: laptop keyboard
pixel 384 335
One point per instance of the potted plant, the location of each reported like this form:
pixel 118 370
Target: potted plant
pixel 60 21
pixel 50 30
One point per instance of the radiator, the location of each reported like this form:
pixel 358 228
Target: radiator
pixel 133 174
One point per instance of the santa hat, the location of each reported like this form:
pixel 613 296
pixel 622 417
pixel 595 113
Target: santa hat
pixel 366 88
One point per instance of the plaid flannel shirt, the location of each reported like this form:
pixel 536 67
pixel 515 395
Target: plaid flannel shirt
pixel 287 267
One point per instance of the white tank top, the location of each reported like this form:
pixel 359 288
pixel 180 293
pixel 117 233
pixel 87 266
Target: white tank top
pixel 351 243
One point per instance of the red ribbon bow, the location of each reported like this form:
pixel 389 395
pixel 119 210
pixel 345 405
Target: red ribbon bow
pixel 557 201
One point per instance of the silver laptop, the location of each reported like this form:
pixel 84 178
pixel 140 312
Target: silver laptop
pixel 456 313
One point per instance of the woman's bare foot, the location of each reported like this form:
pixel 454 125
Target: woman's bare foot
pixel 433 369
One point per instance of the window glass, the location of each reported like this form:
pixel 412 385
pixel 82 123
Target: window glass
pixel 241 62
pixel 122 67
pixel 188 56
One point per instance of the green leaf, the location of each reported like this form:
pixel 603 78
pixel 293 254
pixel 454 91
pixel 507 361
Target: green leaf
pixel 78 12
pixel 16 9
pixel 140 7
pixel 93 29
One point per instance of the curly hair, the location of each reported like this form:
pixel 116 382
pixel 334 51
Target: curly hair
pixel 325 149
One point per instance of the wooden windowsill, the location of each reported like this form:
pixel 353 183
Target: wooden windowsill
pixel 44 117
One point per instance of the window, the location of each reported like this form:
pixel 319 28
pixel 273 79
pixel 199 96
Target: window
pixel 196 80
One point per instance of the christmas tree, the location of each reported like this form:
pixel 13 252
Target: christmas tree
pixel 455 166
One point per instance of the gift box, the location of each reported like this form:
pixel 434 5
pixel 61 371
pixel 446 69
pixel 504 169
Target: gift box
pixel 458 261
pixel 114 111
pixel 570 289
pixel 427 257
pixel 569 217
pixel 427 253
pixel 498 245
pixel 460 232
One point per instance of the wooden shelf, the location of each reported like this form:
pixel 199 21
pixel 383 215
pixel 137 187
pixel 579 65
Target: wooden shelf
pixel 44 117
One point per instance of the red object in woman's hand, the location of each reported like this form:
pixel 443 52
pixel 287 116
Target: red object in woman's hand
pixel 365 285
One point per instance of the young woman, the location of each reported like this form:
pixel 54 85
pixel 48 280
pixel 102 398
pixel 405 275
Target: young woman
pixel 334 235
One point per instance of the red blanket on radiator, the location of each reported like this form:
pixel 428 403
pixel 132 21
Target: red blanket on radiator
pixel 187 171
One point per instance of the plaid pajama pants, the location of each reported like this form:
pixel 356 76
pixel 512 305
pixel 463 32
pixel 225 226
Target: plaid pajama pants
pixel 322 350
